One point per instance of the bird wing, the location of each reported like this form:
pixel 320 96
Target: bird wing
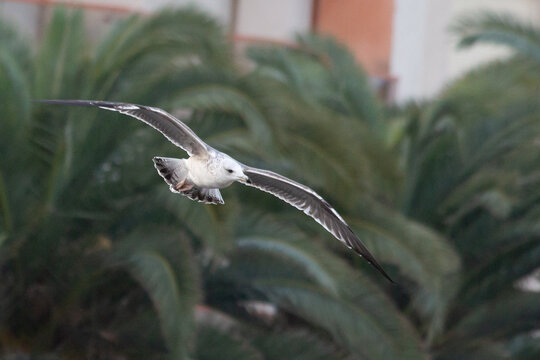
pixel 173 129
pixel 312 204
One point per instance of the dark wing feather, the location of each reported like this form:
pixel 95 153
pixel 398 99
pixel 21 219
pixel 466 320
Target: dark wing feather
pixel 307 200
pixel 173 129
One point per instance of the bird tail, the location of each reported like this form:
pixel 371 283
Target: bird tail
pixel 175 173
pixel 207 196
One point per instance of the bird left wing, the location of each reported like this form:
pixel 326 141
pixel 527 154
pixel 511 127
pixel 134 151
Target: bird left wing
pixel 173 129
pixel 312 204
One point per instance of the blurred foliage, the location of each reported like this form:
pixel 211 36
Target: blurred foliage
pixel 99 260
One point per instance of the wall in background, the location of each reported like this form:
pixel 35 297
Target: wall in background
pixel 405 45
pixel 273 20
pixel 220 9
pixel 424 54
pixel 364 25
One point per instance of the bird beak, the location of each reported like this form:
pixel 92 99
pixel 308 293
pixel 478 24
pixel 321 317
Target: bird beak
pixel 245 179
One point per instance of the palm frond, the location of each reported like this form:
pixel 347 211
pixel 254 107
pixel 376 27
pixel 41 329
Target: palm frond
pixel 213 343
pixel 162 264
pixel 299 345
pixel 348 77
pixel 176 35
pixel 60 56
pixel 499 29
pixel 350 326
pixel 506 316
pixel 214 97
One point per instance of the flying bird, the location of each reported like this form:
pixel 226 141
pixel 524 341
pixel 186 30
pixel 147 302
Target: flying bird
pixel 207 170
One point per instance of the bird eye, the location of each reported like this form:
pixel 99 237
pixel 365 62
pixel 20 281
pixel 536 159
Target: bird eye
pixel 230 171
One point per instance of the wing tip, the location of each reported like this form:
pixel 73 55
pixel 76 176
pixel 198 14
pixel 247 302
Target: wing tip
pixel 364 252
pixel 98 103
pixel 65 102
pixel 371 260
pixel 381 270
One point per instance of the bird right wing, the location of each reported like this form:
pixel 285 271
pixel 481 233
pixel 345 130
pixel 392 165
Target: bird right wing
pixel 312 204
pixel 173 129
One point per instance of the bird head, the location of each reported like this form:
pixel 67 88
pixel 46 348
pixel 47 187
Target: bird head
pixel 234 171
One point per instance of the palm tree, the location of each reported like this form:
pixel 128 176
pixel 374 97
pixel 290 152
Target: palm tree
pixel 100 260
pixel 471 175
pixel 468 161
pixel 72 194
pixel 499 29
pixel 91 239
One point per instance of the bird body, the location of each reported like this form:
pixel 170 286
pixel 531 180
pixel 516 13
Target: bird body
pixel 211 171
pixel 201 176
pixel 207 170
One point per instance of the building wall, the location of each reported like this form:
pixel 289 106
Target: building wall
pixel 405 40
pixel 424 53
pixel 364 25
pixel 528 10
pixel 220 9
pixel 273 20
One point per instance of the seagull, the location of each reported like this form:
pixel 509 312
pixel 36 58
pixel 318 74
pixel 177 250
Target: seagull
pixel 207 170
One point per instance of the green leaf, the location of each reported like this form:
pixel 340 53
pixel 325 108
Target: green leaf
pixel 3 237
pixel 298 345
pixel 162 264
pixel 213 343
pixel 294 254
pixel 499 29
pixel 154 273
pixel 420 253
pixel 350 80
pixel 218 97
pixel 504 316
pixel 351 326
pixel 5 210
pixel 60 56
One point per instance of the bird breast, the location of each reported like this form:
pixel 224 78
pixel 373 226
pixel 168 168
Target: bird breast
pixel 207 173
